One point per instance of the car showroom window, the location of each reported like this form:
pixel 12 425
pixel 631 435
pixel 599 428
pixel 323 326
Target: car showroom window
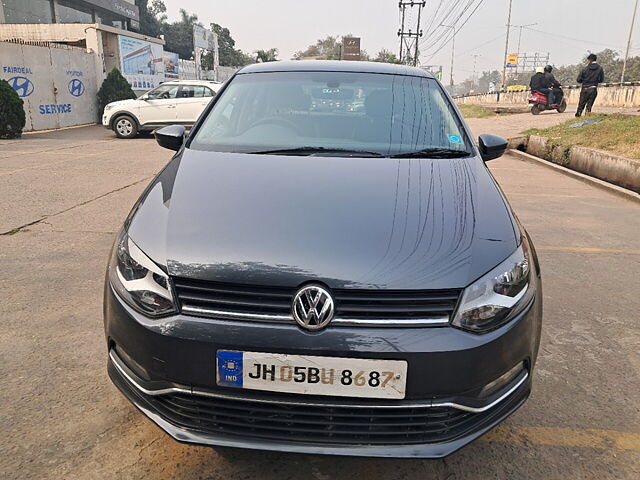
pixel 385 114
pixel 163 92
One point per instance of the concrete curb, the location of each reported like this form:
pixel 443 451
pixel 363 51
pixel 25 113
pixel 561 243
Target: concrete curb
pixel 606 166
pixel 601 184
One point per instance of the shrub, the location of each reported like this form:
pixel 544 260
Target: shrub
pixel 12 116
pixel 115 87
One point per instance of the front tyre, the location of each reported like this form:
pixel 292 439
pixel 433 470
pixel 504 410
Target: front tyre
pixel 125 127
pixel 536 109
pixel 563 106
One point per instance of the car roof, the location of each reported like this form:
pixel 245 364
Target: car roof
pixel 335 66
pixel 191 82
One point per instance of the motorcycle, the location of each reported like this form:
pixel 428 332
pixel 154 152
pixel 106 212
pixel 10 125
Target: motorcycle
pixel 539 103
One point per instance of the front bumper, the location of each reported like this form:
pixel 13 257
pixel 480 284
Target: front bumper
pixel 167 369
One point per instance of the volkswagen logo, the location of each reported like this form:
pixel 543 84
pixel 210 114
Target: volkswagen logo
pixel 22 85
pixel 313 307
pixel 76 87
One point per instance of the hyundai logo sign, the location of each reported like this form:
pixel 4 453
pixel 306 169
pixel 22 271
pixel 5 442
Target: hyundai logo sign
pixel 22 85
pixel 76 87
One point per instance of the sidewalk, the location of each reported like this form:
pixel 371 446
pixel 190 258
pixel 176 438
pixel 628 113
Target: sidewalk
pixel 571 108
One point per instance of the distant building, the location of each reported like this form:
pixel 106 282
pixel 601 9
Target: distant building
pixel 121 14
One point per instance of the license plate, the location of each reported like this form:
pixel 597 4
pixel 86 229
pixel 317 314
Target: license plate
pixel 311 375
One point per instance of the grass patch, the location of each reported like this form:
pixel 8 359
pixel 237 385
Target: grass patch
pixel 618 134
pixel 476 111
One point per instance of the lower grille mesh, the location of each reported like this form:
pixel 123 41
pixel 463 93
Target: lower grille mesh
pixel 316 424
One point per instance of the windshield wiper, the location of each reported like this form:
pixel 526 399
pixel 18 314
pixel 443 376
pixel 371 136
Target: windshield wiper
pixel 309 151
pixel 433 153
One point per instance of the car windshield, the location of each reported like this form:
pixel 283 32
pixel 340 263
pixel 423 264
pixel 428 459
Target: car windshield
pixel 329 113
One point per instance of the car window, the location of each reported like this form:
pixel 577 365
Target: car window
pixel 194 91
pixel 386 114
pixel 164 92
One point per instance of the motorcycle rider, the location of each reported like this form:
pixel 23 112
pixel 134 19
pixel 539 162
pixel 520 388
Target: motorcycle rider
pixel 540 83
pixel 554 85
pixel 589 77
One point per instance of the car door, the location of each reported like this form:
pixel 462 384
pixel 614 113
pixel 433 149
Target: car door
pixel 192 100
pixel 159 105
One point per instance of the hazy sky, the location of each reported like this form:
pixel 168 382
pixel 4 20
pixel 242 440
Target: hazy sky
pixel 577 27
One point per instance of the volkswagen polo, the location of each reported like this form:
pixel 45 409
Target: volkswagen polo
pixel 326 266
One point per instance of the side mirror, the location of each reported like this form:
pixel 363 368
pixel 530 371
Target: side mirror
pixel 491 146
pixel 144 97
pixel 171 137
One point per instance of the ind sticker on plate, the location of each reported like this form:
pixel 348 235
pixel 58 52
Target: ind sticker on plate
pixel 229 368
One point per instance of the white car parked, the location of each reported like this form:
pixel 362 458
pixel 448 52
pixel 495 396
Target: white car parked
pixel 177 102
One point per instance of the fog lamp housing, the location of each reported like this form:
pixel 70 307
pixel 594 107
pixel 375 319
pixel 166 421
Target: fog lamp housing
pixel 503 380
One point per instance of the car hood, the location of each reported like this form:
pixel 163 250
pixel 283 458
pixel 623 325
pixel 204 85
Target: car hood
pixel 347 222
pixel 123 103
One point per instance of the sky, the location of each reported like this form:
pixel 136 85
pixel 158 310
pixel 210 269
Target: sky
pixel 575 28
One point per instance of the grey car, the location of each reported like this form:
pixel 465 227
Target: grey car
pixel 325 266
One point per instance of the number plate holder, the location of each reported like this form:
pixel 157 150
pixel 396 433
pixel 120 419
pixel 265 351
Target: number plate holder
pixel 312 375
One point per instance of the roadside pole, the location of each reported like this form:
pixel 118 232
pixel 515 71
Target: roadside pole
pixel 626 56
pixel 506 49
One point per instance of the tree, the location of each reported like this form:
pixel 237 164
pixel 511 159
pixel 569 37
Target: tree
pixel 178 36
pixel 487 78
pixel 385 56
pixel 151 16
pixel 115 87
pixel 229 56
pixel 270 55
pixel 328 48
pixel 12 116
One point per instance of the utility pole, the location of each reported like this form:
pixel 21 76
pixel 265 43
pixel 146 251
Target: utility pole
pixel 475 60
pixel 453 50
pixel 409 38
pixel 520 38
pixel 626 55
pixel 506 49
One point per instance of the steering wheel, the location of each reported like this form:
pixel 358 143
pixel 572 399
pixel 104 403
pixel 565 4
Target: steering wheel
pixel 279 121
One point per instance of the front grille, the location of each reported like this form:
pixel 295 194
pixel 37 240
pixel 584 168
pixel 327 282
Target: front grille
pixel 232 297
pixel 275 302
pixel 315 423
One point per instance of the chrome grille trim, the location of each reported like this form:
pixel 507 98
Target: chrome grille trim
pixel 336 322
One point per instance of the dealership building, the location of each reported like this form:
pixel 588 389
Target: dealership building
pixel 56 54
pixel 121 14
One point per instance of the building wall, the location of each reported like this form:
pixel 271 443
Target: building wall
pixel 58 85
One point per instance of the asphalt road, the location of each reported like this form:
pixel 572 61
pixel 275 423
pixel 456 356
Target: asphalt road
pixel 64 194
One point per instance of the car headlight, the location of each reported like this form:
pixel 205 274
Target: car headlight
pixel 108 107
pixel 138 281
pixel 500 295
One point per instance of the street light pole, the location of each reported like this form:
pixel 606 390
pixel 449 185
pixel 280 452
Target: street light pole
pixel 626 56
pixel 506 48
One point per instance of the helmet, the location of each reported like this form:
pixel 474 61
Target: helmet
pixel 539 70
pixel 548 68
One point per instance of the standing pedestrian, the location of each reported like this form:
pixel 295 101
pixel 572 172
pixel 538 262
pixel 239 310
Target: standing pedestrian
pixel 589 77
